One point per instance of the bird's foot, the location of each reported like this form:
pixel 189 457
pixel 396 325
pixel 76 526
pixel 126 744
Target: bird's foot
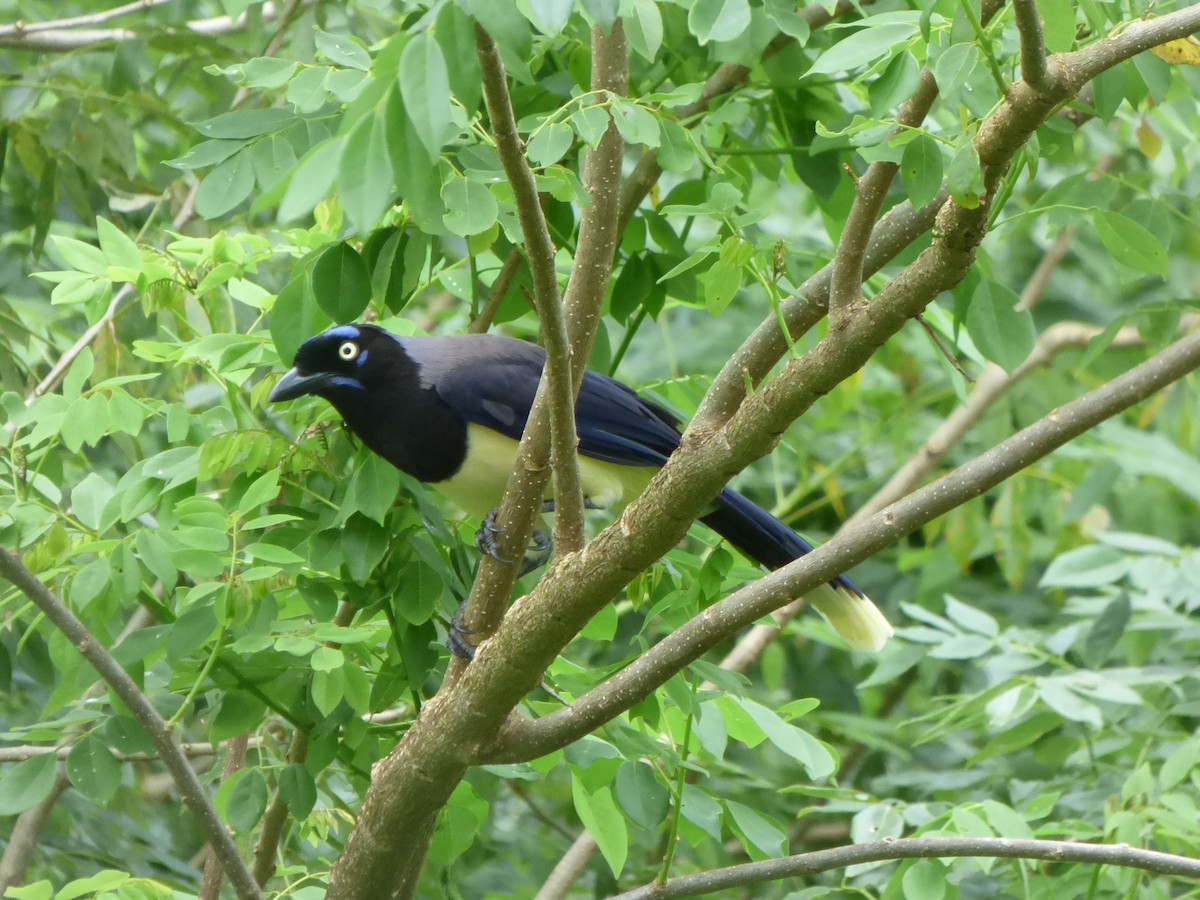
pixel 457 637
pixel 538 553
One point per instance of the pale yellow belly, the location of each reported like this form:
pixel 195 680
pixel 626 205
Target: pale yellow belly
pixel 479 484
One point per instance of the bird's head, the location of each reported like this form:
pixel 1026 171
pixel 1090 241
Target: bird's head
pixel 340 363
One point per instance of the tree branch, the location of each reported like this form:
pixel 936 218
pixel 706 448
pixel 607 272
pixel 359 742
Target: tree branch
pixel 1033 47
pixel 523 740
pixel 845 289
pixel 23 839
pixel 190 790
pixel 62 35
pixel 917 848
pixel 235 759
pixel 497 292
pixel 568 869
pixel 555 400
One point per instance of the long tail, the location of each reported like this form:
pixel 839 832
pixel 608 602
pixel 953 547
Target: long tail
pixel 761 536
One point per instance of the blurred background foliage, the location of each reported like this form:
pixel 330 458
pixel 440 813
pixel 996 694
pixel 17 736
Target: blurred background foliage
pixel 207 194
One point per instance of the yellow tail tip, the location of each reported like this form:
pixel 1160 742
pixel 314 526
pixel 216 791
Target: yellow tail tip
pixel 855 618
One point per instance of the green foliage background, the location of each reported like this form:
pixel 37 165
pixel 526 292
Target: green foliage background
pixel 1042 681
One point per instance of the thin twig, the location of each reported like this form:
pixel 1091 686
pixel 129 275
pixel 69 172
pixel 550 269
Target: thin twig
pixel 190 790
pixel 497 292
pixel 845 288
pixel 945 351
pixel 917 848
pixel 235 759
pixel 77 21
pixel 1033 46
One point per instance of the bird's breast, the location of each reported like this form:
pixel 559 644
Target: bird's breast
pixel 478 485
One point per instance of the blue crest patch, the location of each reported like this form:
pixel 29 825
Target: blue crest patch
pixel 362 359
pixel 345 332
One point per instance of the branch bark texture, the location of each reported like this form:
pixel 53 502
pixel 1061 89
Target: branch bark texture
pixel 917 848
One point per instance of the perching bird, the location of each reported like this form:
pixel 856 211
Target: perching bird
pixel 450 410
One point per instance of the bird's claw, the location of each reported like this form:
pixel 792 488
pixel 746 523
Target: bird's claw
pixel 456 637
pixel 485 537
pixel 539 550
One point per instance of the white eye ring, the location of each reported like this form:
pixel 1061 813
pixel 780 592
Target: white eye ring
pixel 348 350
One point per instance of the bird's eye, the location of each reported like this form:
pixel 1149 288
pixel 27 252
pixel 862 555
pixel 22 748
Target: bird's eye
pixel 348 350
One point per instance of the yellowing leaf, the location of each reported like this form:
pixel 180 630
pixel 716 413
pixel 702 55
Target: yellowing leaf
pixel 1183 51
pixel 1148 140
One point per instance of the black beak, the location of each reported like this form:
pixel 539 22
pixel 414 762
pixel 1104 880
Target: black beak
pixel 295 384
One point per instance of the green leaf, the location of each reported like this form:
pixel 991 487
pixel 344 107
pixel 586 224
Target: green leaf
pixel 590 123
pixel 954 67
pixel 719 20
pixel 94 770
pixel 644 28
pixel 816 758
pixel 343 50
pixel 921 169
pixel 425 87
pixel 364 180
pixel 247 801
pixel 549 145
pixel 326 659
pixel 119 249
pixel 341 283
pixel 1002 334
pixel 296 317
pixel 863 46
pixel 1106 631
pixel 675 150
pixel 328 690
pixel 470 206
pixel 246 123
pixel 1179 765
pixel 603 12
pixel 1129 243
pixel 95 885
pixel 761 835
pixel 964 177
pixel 551 16
pixel 312 179
pixel 599 814
pixel 80 256
pixel 299 790
pixel 262 490
pixel 925 878
pixel 641 795
pixel 455 34
pixel 1086 567
pixel 27 784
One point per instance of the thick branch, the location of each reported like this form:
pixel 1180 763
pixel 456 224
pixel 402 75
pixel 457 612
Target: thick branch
pixel 531 739
pixel 918 848
pixel 190 790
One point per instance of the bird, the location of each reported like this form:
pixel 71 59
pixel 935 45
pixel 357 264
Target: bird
pixel 450 410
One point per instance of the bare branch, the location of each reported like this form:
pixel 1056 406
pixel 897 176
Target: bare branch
pixel 235 759
pixel 190 790
pixel 1033 47
pixel 497 292
pixel 56 36
pixel 917 848
pixel 78 21
pixel 554 404
pixel 992 384
pixel 568 869
pixel 845 289
pixel 529 739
